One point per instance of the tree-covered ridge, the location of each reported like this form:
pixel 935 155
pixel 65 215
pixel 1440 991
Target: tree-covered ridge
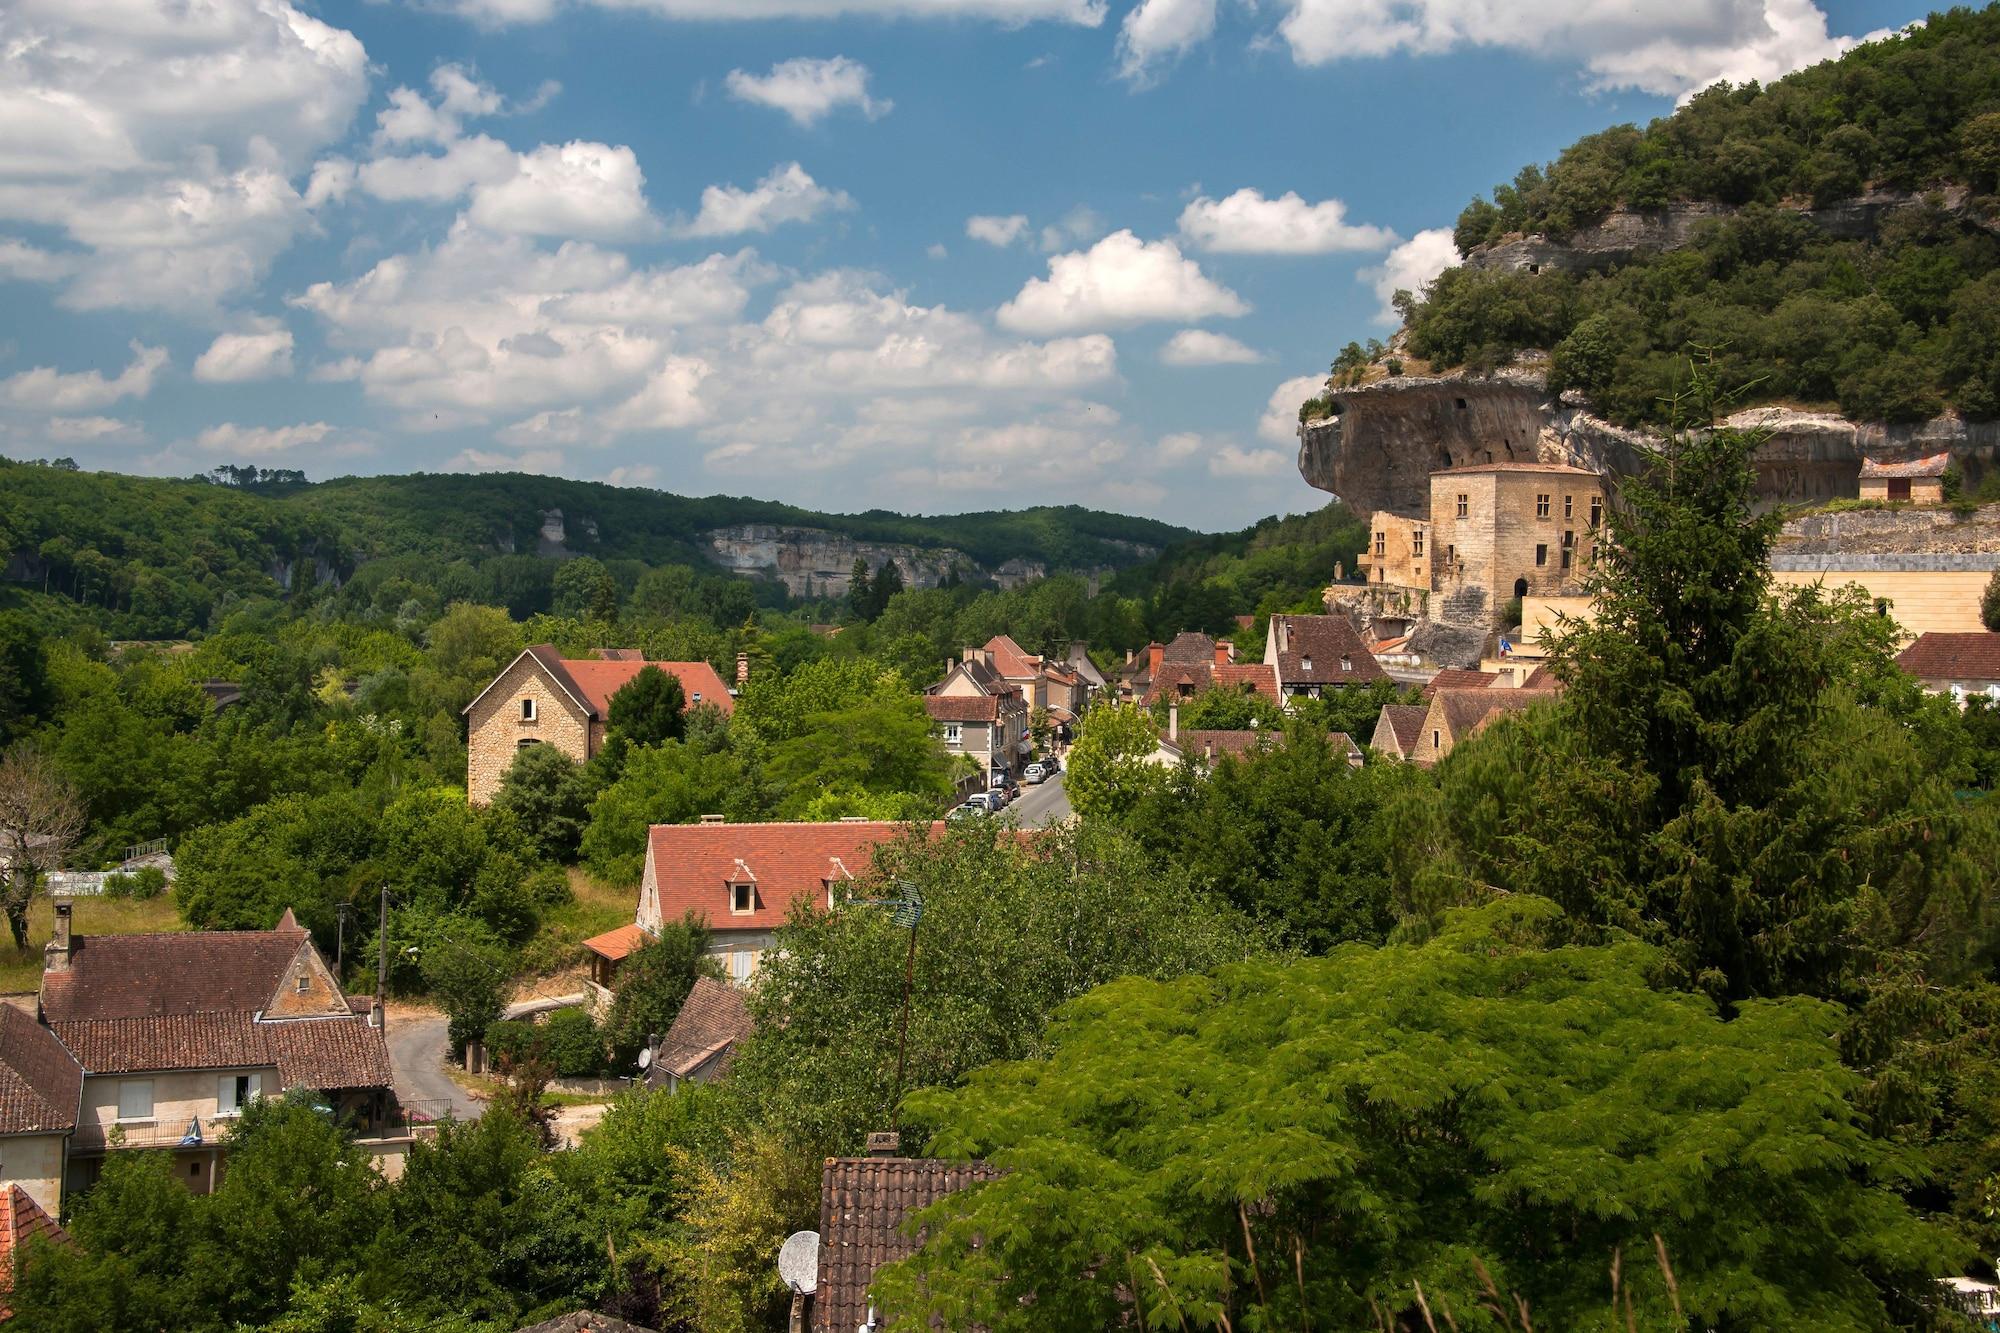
pixel 1911 112
pixel 1896 327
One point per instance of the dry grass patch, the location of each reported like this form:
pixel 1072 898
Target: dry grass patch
pixel 21 969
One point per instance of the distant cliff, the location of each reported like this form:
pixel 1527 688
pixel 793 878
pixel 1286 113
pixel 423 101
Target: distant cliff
pixel 813 562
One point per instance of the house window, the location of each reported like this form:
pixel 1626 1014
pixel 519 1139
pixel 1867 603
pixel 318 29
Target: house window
pixel 741 963
pixel 1569 508
pixel 1568 548
pixel 1437 740
pixel 952 731
pixel 526 742
pixel 1541 506
pixel 1417 542
pixel 1899 488
pixel 527 710
pixel 742 899
pixel 1450 556
pixel 305 983
pixel 1346 664
pixel 1381 544
pixel 234 1091
pixel 135 1099
pixel 1541 556
pixel 1463 501
pixel 1596 510
pixel 1306 662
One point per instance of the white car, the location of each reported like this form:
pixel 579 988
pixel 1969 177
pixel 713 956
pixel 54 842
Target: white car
pixel 1036 773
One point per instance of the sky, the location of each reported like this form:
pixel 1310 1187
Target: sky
pixel 923 255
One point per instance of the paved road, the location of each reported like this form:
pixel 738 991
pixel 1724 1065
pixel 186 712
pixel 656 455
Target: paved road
pixel 1044 804
pixel 416 1051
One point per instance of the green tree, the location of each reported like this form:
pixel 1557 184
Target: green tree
pixel 470 643
pixel 653 983
pixel 294 852
pixel 1989 603
pixel 469 979
pixel 676 782
pixel 649 708
pixel 24 678
pixel 585 590
pixel 860 594
pixel 1111 767
pixel 129 1271
pixel 41 823
pixel 878 747
pixel 1310 1143
pixel 548 796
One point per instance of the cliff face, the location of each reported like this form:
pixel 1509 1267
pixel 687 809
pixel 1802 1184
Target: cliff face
pixel 812 562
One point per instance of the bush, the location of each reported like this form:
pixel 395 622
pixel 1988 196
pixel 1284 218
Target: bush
pixel 118 884
pixel 1989 603
pixel 149 882
pixel 574 1043
pixel 1394 366
pixel 512 1040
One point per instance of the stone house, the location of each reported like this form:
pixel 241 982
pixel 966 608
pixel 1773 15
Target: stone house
pixel 1917 481
pixel 41 1089
pixel 742 879
pixel 701 1044
pixel 980 713
pixel 1456 714
pixel 1315 653
pixel 175 1033
pixel 1961 665
pixel 1139 682
pixel 543 698
pixel 1180 681
pixel 1398 729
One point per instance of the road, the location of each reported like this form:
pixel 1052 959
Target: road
pixel 1041 805
pixel 416 1052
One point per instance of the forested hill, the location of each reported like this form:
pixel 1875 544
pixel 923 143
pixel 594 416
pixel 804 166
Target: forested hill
pixel 154 557
pixel 1892 315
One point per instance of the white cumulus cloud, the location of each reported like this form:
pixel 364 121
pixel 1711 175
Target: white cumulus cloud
pixel 230 441
pixel 46 389
pixel 1280 422
pixel 575 189
pixel 234 358
pixel 1410 267
pixel 1199 347
pixel 1157 31
pixel 1248 223
pixel 809 90
pixel 1118 282
pixel 995 230
pixel 1233 460
pixel 787 194
pixel 1084 13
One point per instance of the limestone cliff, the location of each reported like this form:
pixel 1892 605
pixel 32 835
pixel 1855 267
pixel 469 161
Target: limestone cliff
pixel 811 562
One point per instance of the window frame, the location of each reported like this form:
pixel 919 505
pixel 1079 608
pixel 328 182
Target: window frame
pixel 529 712
pixel 742 891
pixel 1464 504
pixel 126 1085
pixel 1569 508
pixel 1541 504
pixel 1541 555
pixel 242 1088
pixel 954 733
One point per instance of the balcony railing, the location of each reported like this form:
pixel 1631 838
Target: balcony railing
pixel 400 1121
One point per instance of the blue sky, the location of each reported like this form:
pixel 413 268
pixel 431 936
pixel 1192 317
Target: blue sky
pixel 927 255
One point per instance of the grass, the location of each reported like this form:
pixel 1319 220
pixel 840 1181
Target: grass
pixel 593 909
pixel 21 969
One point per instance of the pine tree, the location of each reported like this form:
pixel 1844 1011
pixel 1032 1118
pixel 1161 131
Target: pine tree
pixel 860 597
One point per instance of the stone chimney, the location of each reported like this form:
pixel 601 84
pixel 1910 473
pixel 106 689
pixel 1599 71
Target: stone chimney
pixel 1173 722
pixel 968 651
pixel 1154 653
pixel 742 670
pixel 55 957
pixel 1284 634
pixel 884 1143
pixel 1225 651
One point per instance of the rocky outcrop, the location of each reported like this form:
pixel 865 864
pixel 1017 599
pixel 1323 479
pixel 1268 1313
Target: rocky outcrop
pixel 812 562
pixel 1896 532
pixel 1627 232
pixel 1382 441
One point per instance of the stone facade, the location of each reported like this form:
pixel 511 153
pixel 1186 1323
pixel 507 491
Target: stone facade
pixel 35 1163
pixel 175 1099
pixel 496 729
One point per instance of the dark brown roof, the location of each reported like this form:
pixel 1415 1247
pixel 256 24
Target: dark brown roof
pixel 1205 743
pixel 713 1019
pixel 1406 724
pixel 21 1219
pixel 1934 466
pixel 1247 677
pixel 1189 646
pixel 188 972
pixel 584 1321
pixel 1326 641
pixel 1466 711
pixel 961 707
pixel 318 1053
pixel 1458 678
pixel 1936 656
pixel 862 1204
pixel 39 1080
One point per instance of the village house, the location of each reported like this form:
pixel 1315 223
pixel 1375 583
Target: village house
pixel 544 698
pixel 1310 654
pixel 701 1044
pixel 1139 681
pixel 1398 731
pixel 742 879
pixel 1916 480
pixel 1456 714
pixel 979 713
pixel 1961 665
pixel 1203 746
pixel 1055 689
pixel 41 1089
pixel 176 1033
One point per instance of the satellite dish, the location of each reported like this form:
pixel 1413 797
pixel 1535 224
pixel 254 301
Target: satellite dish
pixel 646 1058
pixel 798 1261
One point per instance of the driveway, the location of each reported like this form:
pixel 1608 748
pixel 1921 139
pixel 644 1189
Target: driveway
pixel 416 1040
pixel 1043 804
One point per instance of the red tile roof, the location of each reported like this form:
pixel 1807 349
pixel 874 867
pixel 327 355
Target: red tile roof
pixel 595 682
pixel 1934 466
pixel 1938 656
pixel 21 1219
pixel 713 1019
pixel 1189 646
pixel 186 972
pixel 39 1080
pixel 1010 658
pixel 616 944
pixel 962 707
pixel 862 1204
pixel 1458 678
pixel 1252 677
pixel 318 1053
pixel 1326 641
pixel 694 865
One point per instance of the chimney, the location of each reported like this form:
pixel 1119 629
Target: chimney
pixel 715 819
pixel 1173 722
pixel 1284 633
pixel 884 1143
pixel 1154 652
pixel 968 653
pixel 742 669
pixel 55 957
pixel 1209 751
pixel 1129 655
pixel 1225 651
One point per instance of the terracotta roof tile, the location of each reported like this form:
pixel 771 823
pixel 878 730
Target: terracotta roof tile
pixel 1010 658
pixel 1195 677
pixel 1458 678
pixel 596 681
pixel 185 972
pixel 1940 656
pixel 862 1204
pixel 1934 466
pixel 1324 641
pixel 1190 646
pixel 1406 725
pixel 616 944
pixel 961 707
pixel 318 1053
pixel 21 1219
pixel 713 1019
pixel 694 865
pixel 39 1080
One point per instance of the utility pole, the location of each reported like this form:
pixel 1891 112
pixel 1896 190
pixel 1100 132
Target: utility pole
pixel 380 1016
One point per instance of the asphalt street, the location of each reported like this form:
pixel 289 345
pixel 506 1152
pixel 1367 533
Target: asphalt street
pixel 1042 805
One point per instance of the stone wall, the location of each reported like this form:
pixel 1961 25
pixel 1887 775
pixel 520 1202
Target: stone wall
pixel 494 729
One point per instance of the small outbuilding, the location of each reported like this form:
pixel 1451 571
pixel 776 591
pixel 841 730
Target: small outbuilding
pixel 1917 480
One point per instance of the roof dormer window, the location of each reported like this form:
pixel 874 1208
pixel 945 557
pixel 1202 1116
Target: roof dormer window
pixel 742 899
pixel 1306 662
pixel 1346 664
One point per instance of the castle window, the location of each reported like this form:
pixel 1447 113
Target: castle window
pixel 1596 510
pixel 1381 544
pixel 1569 508
pixel 1463 501
pixel 1450 556
pixel 1417 542
pixel 1541 555
pixel 1541 506
pixel 527 710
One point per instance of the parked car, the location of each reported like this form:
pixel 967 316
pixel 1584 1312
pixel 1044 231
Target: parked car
pixel 1035 775
pixel 1051 766
pixel 987 802
pixel 1009 790
pixel 969 810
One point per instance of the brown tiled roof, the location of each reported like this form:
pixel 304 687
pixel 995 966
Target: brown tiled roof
pixel 1542 678
pixel 961 707
pixel 39 1080
pixel 1203 743
pixel 713 1019
pixel 21 1219
pixel 1198 676
pixel 1406 723
pixel 1466 711
pixel 1554 468
pixel 186 972
pixel 318 1053
pixel 694 865
pixel 1326 640
pixel 1458 678
pixel 1010 658
pixel 1934 466
pixel 1189 646
pixel 616 944
pixel 862 1204
pixel 1937 656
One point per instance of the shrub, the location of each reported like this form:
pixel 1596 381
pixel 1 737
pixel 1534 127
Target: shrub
pixel 574 1043
pixel 118 884
pixel 1989 603
pixel 149 882
pixel 512 1040
pixel 1394 366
